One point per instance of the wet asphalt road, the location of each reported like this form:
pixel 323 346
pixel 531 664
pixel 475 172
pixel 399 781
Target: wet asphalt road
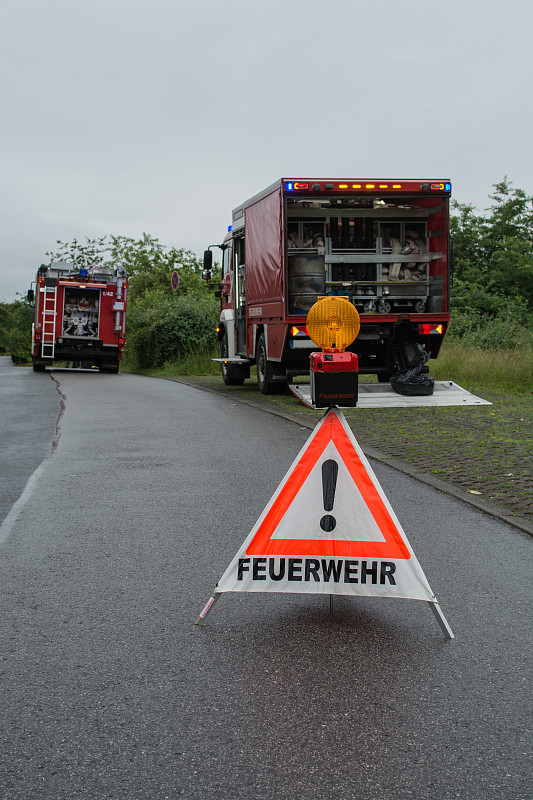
pixel 109 689
pixel 29 408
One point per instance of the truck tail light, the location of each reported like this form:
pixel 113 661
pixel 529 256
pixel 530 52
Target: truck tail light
pixel 430 327
pixel 121 341
pixel 298 330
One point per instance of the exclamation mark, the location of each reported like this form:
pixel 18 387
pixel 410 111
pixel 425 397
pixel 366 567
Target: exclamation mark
pixel 330 470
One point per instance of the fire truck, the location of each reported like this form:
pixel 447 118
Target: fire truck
pixel 382 243
pixel 80 316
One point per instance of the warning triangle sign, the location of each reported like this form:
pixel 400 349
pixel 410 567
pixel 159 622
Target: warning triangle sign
pixel 330 504
pixel 328 528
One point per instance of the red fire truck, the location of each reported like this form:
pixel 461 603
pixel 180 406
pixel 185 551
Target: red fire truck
pixel 80 315
pixel 382 243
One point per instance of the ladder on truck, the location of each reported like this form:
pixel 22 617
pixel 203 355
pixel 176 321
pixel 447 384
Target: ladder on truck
pixel 49 320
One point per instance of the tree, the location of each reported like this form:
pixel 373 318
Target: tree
pixel 92 253
pixel 512 213
pixel 148 263
pixel 493 252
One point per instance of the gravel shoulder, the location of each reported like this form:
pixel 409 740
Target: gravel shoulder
pixel 480 454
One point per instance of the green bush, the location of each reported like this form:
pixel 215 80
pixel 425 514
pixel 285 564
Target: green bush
pixel 509 327
pixel 5 317
pixel 20 347
pixel 166 329
pixel 15 330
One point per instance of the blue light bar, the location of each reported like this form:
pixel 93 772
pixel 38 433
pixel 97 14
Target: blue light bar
pixel 289 187
pixel 448 187
pixel 230 228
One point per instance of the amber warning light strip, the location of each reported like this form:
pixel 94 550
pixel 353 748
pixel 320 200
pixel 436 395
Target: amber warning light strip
pixel 411 186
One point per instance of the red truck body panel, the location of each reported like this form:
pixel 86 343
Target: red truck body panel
pixel 264 251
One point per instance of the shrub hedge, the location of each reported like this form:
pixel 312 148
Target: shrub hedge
pixel 162 329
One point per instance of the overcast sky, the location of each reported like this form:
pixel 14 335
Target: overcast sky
pixel 160 116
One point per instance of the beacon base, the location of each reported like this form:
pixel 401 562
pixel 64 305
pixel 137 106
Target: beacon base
pixel 334 379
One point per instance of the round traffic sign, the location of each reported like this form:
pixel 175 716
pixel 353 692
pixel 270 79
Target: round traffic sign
pixel 175 281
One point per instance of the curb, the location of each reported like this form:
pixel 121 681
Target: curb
pixel 382 458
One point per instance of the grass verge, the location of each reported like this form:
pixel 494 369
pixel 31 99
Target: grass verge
pixel 192 364
pixel 475 369
pixel 508 371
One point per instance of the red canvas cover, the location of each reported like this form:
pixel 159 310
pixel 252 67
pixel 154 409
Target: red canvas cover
pixel 263 249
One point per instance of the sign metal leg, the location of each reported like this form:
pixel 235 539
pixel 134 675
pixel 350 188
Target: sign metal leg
pixel 207 608
pixel 441 619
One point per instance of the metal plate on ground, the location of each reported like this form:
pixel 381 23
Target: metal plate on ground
pixel 382 395
pixel 243 361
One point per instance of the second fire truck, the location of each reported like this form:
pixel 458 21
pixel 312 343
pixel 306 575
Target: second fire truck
pixel 80 316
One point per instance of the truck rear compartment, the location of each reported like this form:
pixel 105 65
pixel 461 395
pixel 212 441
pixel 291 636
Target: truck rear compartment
pixel 387 254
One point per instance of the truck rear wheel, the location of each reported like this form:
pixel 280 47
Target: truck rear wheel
pixel 111 367
pixel 228 370
pixel 38 366
pixel 265 371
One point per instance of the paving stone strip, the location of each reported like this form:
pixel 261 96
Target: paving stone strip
pixel 480 454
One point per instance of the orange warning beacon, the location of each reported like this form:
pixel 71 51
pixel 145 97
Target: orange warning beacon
pixel 333 324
